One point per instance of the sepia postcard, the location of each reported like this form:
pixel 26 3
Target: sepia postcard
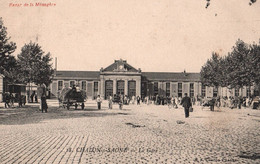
pixel 129 81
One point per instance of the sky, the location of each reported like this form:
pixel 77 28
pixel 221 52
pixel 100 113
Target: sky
pixel 161 36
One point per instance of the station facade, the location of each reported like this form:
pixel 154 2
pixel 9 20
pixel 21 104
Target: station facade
pixel 122 78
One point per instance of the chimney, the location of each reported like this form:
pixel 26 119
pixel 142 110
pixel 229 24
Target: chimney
pixel 55 63
pixel 55 67
pixel 184 72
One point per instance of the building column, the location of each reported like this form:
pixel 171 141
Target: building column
pixel 174 89
pixel 99 89
pixel 138 87
pixel 159 88
pixel 200 89
pixel 54 89
pixel 102 87
pixel 114 86
pixel 171 89
pixel 164 89
pixel 185 88
pixel 93 90
pixel 209 92
pixel 196 89
pixel 126 87
pixel 244 91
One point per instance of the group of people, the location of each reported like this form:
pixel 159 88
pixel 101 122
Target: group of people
pixel 120 99
pixel 34 97
pixel 11 98
pixel 229 102
pixel 186 102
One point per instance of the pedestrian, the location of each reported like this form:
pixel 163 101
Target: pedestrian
pixel 175 100
pixel 147 100
pixel 36 98
pixel 247 102
pixel 133 99
pixel 212 104
pixel 24 100
pixel 193 100
pixel 99 102
pixel 20 100
pixel 44 103
pixel 121 101
pixel 186 103
pixel 240 102
pixel 12 98
pixel 32 95
pixel 218 102
pixel 156 100
pixel 7 100
pixel 244 102
pixel 138 100
pixel 110 102
pixel 125 99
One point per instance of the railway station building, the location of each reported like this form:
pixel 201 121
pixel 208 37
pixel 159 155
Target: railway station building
pixel 122 78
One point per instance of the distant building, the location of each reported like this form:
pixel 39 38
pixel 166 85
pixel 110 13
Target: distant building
pixel 122 78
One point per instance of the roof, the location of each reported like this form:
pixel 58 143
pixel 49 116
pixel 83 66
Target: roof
pixel 171 76
pixel 163 76
pixel 78 74
pixel 114 66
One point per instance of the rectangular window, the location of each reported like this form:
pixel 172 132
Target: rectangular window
pixel 179 89
pixel 203 90
pixel 155 88
pixel 191 89
pixel 248 91
pixel 236 91
pixel 168 90
pixel 215 92
pixel 95 89
pixel 83 85
pixel 143 89
pixel 60 85
pixel 72 83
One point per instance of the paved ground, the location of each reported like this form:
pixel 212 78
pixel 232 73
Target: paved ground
pixel 136 134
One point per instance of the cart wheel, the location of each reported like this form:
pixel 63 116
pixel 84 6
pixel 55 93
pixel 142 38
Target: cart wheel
pixel 82 106
pixel 76 106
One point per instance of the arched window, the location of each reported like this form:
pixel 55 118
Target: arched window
pixel 131 88
pixel 108 88
pixel 120 87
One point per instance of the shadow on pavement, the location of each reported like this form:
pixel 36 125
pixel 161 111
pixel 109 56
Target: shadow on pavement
pixel 31 115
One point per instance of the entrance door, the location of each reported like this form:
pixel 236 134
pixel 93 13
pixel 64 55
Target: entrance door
pixel 108 88
pixel 143 89
pixel 120 87
pixel 131 88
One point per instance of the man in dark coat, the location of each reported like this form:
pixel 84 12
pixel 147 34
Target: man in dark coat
pixel 186 103
pixel 212 104
pixel 44 103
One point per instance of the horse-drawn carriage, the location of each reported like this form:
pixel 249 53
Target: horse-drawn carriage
pixel 256 102
pixel 72 97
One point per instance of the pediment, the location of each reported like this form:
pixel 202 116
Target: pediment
pixel 120 66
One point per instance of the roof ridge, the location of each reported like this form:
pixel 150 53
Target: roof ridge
pixel 74 71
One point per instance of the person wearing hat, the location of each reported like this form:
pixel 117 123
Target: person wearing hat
pixel 99 102
pixel 186 103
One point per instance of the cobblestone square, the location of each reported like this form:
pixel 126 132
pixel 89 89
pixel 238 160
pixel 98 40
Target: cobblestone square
pixel 136 134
